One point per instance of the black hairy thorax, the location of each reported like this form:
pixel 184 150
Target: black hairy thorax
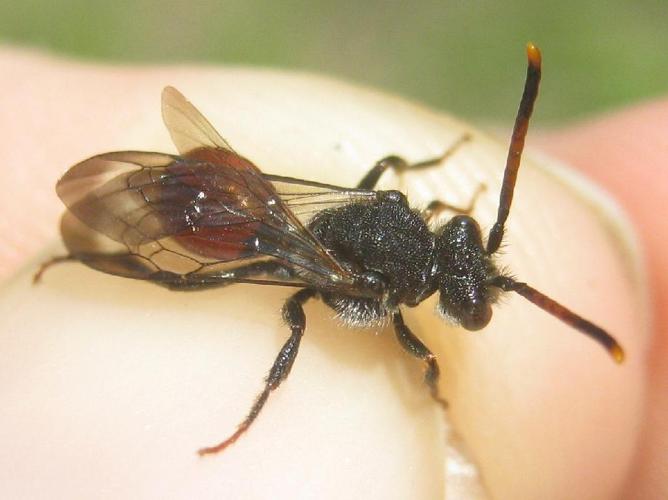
pixel 388 238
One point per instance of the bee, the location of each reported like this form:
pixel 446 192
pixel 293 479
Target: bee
pixel 208 217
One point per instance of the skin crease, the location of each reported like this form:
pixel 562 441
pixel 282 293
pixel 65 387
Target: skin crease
pixel 117 407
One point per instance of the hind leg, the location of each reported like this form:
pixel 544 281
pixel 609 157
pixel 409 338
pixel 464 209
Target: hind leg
pixel 188 283
pixel 37 277
pixel 136 267
pixel 293 314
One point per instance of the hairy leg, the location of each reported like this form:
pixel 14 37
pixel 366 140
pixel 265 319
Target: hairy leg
pixel 293 314
pixel 189 283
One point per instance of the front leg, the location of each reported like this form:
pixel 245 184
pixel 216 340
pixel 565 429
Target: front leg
pixel 293 314
pixel 398 164
pixel 414 346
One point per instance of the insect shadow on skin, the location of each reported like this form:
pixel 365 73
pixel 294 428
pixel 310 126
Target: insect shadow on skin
pixel 209 217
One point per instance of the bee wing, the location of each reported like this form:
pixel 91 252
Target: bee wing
pixel 307 198
pixel 156 261
pixel 188 216
pixel 195 137
pixel 151 215
pixel 187 126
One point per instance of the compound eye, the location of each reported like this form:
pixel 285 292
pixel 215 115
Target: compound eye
pixel 477 316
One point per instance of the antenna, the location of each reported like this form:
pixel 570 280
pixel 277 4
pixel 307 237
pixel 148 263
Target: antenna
pixel 516 147
pixel 506 283
pixel 564 314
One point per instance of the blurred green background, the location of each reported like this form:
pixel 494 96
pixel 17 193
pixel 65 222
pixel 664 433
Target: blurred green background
pixel 464 56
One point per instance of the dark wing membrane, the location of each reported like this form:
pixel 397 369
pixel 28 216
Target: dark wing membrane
pixel 156 261
pixel 111 193
pixel 187 216
pixel 195 137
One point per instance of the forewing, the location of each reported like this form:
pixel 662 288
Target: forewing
pixel 119 194
pixel 184 215
pixel 156 262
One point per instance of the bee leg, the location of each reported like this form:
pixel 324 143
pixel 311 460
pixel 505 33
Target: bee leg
pixel 414 346
pixel 189 283
pixel 293 314
pixel 436 207
pixel 398 164
pixel 37 277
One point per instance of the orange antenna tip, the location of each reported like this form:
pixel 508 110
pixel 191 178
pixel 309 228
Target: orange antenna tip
pixel 533 54
pixel 617 353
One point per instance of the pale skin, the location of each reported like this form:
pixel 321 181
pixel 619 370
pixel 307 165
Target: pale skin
pixel 110 385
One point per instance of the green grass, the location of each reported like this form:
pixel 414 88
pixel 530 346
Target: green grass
pixel 465 56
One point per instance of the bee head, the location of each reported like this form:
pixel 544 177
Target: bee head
pixel 463 272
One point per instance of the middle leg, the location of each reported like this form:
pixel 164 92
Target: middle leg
pixel 293 314
pixel 414 346
pixel 398 164
pixel 436 207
